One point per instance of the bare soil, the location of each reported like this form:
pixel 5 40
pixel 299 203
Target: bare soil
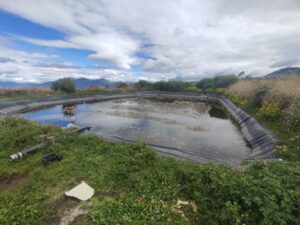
pixel 12 181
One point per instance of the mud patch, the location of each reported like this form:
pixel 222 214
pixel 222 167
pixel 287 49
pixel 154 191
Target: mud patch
pixel 12 181
pixel 109 193
pixel 165 121
pixel 82 219
pixel 70 216
pixel 67 210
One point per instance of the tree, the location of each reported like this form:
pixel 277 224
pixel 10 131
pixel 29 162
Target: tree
pixel 65 84
pixel 144 85
pixel 122 85
pixel 172 85
pixel 225 81
pixel 205 83
pixel 217 82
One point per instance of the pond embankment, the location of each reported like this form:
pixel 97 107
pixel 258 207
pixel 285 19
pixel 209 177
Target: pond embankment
pixel 261 140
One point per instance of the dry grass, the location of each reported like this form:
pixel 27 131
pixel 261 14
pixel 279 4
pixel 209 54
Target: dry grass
pixel 25 92
pixel 284 92
pixel 288 87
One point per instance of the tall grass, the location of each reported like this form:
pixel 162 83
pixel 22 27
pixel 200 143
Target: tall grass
pixel 289 86
pixel 25 92
pixel 276 103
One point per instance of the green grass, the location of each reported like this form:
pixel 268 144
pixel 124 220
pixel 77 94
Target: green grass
pixel 133 185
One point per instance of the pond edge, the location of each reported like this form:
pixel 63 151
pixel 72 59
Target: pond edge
pixel 261 140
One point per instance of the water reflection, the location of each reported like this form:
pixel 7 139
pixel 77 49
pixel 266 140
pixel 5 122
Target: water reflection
pixel 69 112
pixel 218 112
pixel 191 130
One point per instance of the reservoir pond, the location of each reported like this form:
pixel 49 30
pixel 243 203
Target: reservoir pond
pixel 189 130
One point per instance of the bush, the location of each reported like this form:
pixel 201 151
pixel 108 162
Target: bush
pixel 292 116
pixel 263 194
pixel 259 95
pixel 205 83
pixel 217 82
pixel 66 85
pixel 192 88
pixel 224 81
pixel 144 85
pixel 269 111
pixel 172 85
pixel 239 101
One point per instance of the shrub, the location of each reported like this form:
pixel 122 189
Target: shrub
pixel 192 88
pixel 143 84
pixel 269 111
pixel 65 84
pixel 217 82
pixel 225 81
pixel 172 85
pixel 292 116
pixel 122 85
pixel 205 83
pixel 259 94
pixel 240 101
pixel 263 194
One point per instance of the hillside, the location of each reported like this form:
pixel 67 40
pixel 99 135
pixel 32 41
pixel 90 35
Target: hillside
pixel 9 84
pixel 287 71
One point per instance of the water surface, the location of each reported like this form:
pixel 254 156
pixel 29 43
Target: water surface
pixel 190 130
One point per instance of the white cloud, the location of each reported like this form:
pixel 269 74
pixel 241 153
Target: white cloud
pixel 20 66
pixel 186 38
pixel 112 47
pixel 48 43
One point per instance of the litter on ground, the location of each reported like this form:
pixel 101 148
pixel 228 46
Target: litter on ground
pixel 82 192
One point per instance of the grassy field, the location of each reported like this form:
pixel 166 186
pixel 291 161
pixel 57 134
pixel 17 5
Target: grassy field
pixel 133 185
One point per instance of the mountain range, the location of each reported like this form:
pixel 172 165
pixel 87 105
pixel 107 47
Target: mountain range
pixel 287 71
pixel 81 83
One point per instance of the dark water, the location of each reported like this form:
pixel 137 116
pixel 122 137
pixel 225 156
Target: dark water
pixel 182 129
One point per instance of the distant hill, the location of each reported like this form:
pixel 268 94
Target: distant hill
pixel 81 83
pixel 284 72
pixel 9 84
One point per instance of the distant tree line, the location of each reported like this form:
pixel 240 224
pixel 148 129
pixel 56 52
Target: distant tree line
pixel 202 85
pixel 172 85
pixel 205 85
pixel 217 82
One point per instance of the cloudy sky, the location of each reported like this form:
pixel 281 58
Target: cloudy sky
pixel 128 40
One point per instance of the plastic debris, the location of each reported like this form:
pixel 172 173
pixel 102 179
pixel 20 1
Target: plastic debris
pixel 82 192
pixel 71 125
pixel 44 140
pixel 177 208
pixel 194 207
pixel 180 202
pixel 51 157
pixel 81 130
